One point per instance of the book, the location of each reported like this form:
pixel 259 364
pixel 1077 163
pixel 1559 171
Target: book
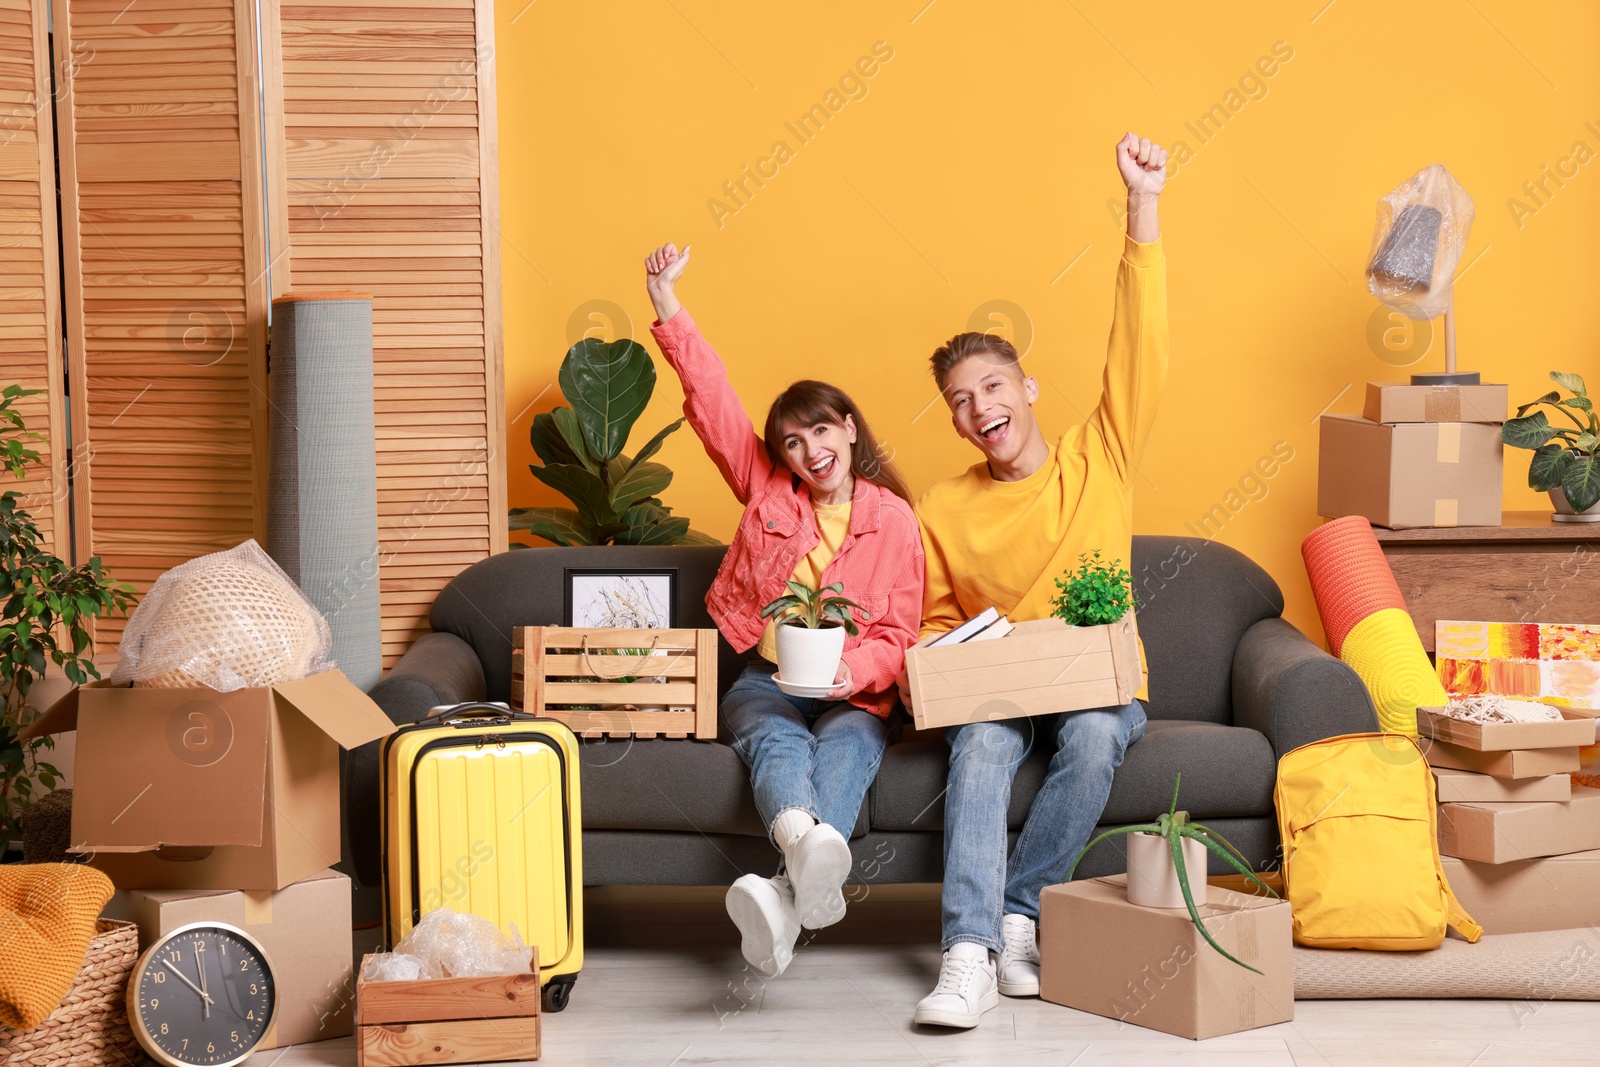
pixel 982 621
pixel 1000 628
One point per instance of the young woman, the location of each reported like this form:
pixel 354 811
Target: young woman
pixel 823 504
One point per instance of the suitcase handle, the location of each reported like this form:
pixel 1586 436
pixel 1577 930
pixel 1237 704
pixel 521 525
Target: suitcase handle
pixel 477 713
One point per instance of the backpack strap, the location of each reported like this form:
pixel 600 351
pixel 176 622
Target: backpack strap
pixel 1456 915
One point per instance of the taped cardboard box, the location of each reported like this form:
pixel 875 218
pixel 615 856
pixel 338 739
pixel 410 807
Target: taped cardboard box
pixel 1411 475
pixel 1151 967
pixel 1514 763
pixel 1503 833
pixel 1469 786
pixel 1391 402
pixel 1527 896
pixel 198 789
pixel 305 929
pixel 1575 728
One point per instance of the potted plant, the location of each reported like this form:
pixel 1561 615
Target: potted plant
pixel 1566 461
pixel 615 496
pixel 812 624
pixel 1098 593
pixel 1159 857
pixel 45 620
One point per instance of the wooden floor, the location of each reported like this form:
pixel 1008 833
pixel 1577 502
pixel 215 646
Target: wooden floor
pixel 852 1003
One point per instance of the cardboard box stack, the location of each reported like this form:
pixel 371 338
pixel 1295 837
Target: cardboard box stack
pixel 1417 456
pixel 204 806
pixel 1520 843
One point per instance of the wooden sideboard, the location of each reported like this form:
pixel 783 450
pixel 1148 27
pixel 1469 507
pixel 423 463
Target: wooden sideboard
pixel 1528 569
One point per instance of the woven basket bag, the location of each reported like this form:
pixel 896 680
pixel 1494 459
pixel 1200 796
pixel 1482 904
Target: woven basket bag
pixel 90 1028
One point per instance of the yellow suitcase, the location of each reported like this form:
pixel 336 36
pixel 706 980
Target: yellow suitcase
pixel 481 814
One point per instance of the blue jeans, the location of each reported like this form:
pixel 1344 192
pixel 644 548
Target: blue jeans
pixel 816 755
pixel 980 885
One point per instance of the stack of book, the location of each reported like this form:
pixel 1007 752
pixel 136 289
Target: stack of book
pixel 985 626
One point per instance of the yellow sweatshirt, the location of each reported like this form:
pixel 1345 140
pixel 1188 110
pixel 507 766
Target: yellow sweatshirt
pixel 1005 543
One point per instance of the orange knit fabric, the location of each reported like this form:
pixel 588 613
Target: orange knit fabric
pixel 47 916
pixel 1350 577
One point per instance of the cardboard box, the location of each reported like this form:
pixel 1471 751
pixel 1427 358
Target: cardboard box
pixel 1390 402
pixel 1151 967
pixel 1513 763
pixel 447 1020
pixel 1456 786
pixel 1575 728
pixel 1419 474
pixel 196 789
pixel 1501 833
pixel 1041 667
pixel 305 929
pixel 1552 893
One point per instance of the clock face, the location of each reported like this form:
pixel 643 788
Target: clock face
pixel 204 995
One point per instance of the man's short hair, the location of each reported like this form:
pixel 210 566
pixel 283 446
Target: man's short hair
pixel 991 346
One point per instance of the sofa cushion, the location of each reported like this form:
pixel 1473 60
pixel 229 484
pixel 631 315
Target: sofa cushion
pixel 1227 773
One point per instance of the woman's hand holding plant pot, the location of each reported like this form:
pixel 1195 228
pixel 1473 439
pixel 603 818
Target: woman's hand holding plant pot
pixel 662 269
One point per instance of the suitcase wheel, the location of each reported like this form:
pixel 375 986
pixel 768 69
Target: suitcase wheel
pixel 558 992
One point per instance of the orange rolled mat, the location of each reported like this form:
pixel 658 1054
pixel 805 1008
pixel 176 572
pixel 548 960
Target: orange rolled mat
pixel 1350 577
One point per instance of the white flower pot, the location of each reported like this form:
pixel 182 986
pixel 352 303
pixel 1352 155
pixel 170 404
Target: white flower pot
pixel 1153 880
pixel 1564 512
pixel 807 656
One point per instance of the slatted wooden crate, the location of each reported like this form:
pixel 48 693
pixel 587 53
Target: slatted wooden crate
pixel 575 674
pixel 447 1020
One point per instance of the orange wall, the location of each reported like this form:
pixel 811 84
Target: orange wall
pixel 977 168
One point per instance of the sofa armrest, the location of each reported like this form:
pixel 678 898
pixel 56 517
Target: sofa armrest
pixel 439 669
pixel 1293 691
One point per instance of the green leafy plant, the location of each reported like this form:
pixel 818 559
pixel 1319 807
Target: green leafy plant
pixel 615 497
pixel 813 608
pixel 1095 594
pixel 1174 827
pixel 46 620
pixel 1563 458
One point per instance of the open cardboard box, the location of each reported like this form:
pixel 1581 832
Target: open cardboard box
pixel 1408 475
pixel 197 789
pixel 1393 402
pixel 1575 727
pixel 1041 667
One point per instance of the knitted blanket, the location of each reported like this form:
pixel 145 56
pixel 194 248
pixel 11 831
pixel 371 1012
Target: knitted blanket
pixel 47 916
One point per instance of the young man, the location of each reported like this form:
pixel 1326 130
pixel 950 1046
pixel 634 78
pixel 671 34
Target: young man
pixel 1000 535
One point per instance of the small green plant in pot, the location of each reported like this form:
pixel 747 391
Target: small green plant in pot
pixel 811 628
pixel 1160 855
pixel 1096 594
pixel 1566 460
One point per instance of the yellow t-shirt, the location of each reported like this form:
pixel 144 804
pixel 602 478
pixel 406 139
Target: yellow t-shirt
pixel 833 521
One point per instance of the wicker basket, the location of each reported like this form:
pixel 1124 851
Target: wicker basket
pixel 91 1026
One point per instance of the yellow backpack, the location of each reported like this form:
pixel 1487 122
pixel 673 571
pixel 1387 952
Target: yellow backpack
pixel 1361 846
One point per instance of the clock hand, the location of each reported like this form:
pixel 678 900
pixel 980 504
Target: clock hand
pixel 185 979
pixel 200 969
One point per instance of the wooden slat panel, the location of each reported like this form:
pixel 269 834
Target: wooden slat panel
pixel 163 230
pixel 381 155
pixel 30 325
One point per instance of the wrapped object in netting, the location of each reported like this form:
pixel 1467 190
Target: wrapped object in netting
pixel 230 620
pixel 1417 243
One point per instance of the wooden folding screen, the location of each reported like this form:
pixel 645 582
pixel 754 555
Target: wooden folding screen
pixel 381 153
pixel 163 230
pixel 30 295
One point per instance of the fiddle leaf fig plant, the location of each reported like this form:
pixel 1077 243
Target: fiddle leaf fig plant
pixel 813 608
pixel 615 497
pixel 1095 594
pixel 1565 458
pixel 1173 827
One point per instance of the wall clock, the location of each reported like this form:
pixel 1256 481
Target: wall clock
pixel 202 996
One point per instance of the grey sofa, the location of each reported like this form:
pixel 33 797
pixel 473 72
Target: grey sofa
pixel 1233 687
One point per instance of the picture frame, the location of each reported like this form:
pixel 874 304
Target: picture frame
pixel 629 598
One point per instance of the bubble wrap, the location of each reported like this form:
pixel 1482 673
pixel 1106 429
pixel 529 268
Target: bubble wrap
pixel 230 620
pixel 451 944
pixel 1421 231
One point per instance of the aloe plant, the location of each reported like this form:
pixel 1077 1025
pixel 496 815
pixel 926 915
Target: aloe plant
pixel 1563 458
pixel 1173 826
pixel 615 497
pixel 813 607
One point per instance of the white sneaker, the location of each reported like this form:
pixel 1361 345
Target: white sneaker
pixel 965 991
pixel 763 910
pixel 818 864
pixel 1018 968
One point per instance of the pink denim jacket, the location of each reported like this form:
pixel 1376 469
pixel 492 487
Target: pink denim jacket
pixel 880 562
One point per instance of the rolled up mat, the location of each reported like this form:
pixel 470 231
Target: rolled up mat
pixel 1349 576
pixel 1383 649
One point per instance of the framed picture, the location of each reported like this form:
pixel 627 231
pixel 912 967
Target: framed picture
pixel 623 598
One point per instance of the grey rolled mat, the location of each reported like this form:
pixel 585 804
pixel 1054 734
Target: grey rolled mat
pixel 322 521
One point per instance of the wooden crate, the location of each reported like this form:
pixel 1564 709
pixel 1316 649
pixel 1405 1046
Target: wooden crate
pixel 1041 667
pixel 447 1020
pixel 571 674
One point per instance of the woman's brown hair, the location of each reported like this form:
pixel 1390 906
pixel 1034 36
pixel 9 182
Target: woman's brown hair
pixel 807 403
